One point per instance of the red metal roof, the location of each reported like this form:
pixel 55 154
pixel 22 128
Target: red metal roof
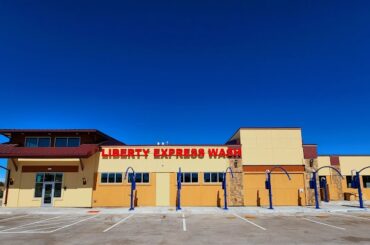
pixel 83 151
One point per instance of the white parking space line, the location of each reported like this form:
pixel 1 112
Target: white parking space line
pixel 66 226
pixel 31 223
pixel 351 216
pixel 16 217
pixel 40 230
pixel 183 222
pixel 320 223
pixel 119 222
pixel 46 229
pixel 47 224
pixel 248 221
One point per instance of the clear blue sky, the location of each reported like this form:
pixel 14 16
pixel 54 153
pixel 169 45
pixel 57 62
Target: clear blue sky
pixel 189 72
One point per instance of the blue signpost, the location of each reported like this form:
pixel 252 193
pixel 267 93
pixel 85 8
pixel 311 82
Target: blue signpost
pixel 179 179
pixel 133 186
pixel 224 186
pixel 356 183
pixel 313 183
pixel 268 182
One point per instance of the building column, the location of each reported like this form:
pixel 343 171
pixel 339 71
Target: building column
pixel 235 185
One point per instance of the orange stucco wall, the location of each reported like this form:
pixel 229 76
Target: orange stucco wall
pixel 354 192
pixel 118 195
pixel 198 194
pixel 284 192
pixel 333 189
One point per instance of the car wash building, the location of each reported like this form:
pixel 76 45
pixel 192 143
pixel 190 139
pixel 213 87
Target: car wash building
pixel 86 168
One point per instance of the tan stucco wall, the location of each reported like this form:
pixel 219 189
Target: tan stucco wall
pixel 347 163
pixel 21 193
pixel 324 161
pixel 271 146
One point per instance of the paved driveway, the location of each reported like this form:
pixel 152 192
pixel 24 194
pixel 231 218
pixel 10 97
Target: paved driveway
pixel 216 227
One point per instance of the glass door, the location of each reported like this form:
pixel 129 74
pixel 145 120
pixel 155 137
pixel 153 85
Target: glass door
pixel 47 194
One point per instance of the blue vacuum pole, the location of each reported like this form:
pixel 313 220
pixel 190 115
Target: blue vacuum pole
pixel 326 193
pixel 133 187
pixel 178 206
pixel 359 190
pixel 269 187
pixel 316 192
pixel 224 185
pixel 323 185
pixel 225 191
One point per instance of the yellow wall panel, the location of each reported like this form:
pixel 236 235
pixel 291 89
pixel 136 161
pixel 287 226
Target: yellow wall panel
pixel 284 192
pixel 118 195
pixel 21 193
pixel 271 146
pixel 198 194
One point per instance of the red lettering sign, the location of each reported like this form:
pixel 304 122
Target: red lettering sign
pixel 163 152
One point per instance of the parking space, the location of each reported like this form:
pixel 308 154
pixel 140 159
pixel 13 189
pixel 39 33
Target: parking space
pixel 40 223
pixel 183 227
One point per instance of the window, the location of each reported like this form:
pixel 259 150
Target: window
pixel 57 178
pixel 189 177
pixel 67 141
pixel 366 181
pixel 38 185
pixel 37 142
pixel 139 177
pixel 349 181
pixel 213 177
pixel 111 178
pixel 58 184
pixel 104 178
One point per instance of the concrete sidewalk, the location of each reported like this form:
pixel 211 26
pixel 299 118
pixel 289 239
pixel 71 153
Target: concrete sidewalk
pixel 339 206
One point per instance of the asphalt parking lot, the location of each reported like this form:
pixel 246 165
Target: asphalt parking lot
pixel 182 227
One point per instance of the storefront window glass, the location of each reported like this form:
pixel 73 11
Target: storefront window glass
pixel 57 178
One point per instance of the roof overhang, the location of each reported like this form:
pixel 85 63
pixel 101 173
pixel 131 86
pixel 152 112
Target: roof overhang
pixel 12 151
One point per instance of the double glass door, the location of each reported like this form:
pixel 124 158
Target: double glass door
pixel 47 194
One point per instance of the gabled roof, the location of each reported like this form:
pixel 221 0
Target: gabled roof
pixel 107 140
pixel 10 150
pixel 82 151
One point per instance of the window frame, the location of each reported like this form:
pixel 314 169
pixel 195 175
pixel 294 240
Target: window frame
pixel 219 179
pixel 61 137
pixel 115 178
pixel 363 181
pixel 38 138
pixel 349 183
pixel 54 182
pixel 142 178
pixel 191 178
